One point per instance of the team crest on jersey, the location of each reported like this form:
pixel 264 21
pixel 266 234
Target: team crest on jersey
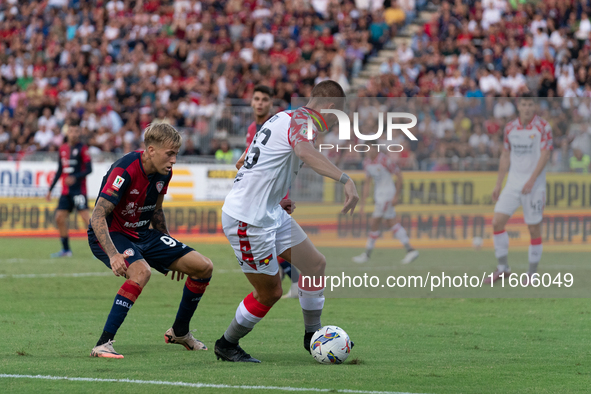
pixel 118 182
pixel 159 186
pixel 532 136
pixel 74 152
pixel 129 209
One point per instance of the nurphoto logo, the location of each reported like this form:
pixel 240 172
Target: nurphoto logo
pixel 345 130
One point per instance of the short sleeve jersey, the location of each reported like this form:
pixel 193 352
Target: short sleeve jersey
pixel 75 161
pixel 526 144
pixel 269 166
pixel 381 170
pixel 133 193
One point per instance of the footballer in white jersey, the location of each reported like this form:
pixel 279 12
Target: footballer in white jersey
pixel 380 169
pixel 259 229
pixel 527 148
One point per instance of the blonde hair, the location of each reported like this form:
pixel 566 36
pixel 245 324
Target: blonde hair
pixel 162 134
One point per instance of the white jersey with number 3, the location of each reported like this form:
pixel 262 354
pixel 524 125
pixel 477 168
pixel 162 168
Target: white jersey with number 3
pixel 526 144
pixel 269 166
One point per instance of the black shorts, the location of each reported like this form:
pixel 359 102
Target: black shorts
pixel 158 249
pixel 69 202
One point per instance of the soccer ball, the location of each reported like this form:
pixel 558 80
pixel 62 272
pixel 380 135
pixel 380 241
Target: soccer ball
pixel 330 345
pixel 477 242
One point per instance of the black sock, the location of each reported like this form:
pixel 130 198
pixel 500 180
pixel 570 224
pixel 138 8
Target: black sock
pixel 180 328
pixel 105 337
pixel 65 243
pixel 223 342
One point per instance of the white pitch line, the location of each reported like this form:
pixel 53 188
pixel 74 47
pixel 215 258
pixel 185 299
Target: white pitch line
pixel 72 275
pixel 85 274
pixel 198 385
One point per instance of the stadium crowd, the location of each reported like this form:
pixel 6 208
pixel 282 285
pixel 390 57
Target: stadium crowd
pixel 115 66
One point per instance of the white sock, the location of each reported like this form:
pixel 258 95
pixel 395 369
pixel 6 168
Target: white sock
pixel 501 241
pixel 400 233
pixel 371 241
pixel 535 254
pixel 312 302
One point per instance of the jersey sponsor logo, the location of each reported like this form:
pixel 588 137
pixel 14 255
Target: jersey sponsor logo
pixel 129 209
pixel 118 182
pixel 159 186
pixel 129 252
pixel 134 191
pixel 136 224
pixel 147 208
pixel 522 149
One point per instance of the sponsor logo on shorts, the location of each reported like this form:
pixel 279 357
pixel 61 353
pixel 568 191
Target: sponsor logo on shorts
pixel 129 252
pixel 159 186
pixel 266 260
pixel 136 224
pixel 118 182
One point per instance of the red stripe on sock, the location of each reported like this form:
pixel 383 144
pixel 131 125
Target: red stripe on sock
pixel 130 290
pixel 536 241
pixel 255 307
pixel 498 232
pixel 196 286
pixel 308 284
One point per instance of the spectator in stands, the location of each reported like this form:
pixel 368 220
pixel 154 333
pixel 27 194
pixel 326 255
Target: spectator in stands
pixel 580 162
pixel 224 154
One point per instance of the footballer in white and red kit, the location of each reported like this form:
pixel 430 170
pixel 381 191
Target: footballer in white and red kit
pixel 261 104
pixel 256 222
pixel 380 168
pixel 527 148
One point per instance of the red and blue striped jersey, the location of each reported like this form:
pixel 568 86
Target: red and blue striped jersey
pixel 133 193
pixel 74 161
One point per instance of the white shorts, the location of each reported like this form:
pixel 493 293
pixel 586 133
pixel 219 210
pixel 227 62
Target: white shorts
pixel 257 248
pixel 384 209
pixel 532 203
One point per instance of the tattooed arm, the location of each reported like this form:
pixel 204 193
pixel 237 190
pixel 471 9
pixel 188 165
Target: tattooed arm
pixel 99 225
pixel 158 219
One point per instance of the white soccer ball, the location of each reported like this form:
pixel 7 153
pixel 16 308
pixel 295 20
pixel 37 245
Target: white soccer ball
pixel 330 345
pixel 477 242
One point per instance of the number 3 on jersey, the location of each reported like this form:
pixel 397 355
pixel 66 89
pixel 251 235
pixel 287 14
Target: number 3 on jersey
pixel 253 154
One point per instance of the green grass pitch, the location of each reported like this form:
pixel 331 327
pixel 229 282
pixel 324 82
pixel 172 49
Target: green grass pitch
pixel 50 323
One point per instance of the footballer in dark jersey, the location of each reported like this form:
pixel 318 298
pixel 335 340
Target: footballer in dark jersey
pixel 74 166
pixel 130 200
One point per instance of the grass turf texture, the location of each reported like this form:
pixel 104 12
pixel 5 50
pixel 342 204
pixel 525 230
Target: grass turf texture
pixel 448 345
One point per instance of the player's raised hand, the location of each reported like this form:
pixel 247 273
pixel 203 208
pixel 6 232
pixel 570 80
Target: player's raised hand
pixel 288 205
pixel 179 275
pixel 351 197
pixel 118 264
